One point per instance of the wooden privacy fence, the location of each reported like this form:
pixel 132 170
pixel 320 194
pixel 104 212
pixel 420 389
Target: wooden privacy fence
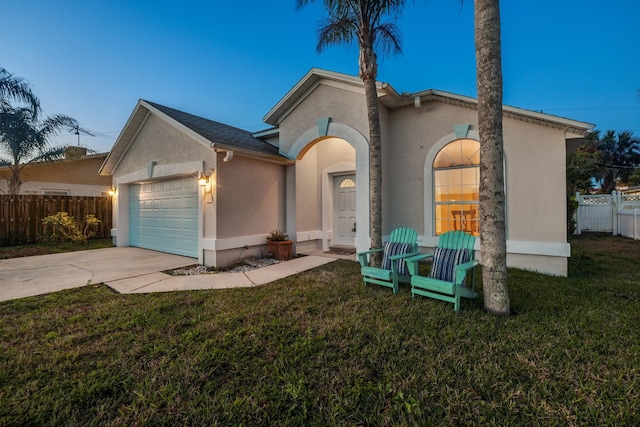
pixel 21 216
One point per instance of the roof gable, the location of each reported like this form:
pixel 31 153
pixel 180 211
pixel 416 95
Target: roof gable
pixel 391 99
pixel 208 132
pixel 306 85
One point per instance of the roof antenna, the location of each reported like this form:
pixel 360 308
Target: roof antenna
pixel 78 130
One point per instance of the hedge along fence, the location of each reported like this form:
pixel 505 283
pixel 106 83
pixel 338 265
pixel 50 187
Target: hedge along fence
pixel 21 216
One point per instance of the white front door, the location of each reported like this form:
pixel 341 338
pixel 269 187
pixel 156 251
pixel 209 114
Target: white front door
pixel 344 207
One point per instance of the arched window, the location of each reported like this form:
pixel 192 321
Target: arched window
pixel 347 183
pixel 456 183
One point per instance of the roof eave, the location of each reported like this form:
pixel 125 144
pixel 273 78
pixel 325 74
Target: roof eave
pixel 274 158
pixel 529 116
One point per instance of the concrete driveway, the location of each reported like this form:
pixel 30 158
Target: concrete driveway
pixel 37 275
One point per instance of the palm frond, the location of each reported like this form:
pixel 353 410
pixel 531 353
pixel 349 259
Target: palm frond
pixel 16 88
pixel 302 3
pixel 335 31
pixel 51 126
pixel 387 39
pixel 52 153
pixel 24 139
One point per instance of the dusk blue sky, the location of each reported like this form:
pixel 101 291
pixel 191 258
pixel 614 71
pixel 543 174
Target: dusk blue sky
pixel 232 61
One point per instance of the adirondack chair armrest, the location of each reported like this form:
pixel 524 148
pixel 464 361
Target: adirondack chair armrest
pixel 400 256
pixel 412 262
pixel 461 270
pixel 395 261
pixel 362 256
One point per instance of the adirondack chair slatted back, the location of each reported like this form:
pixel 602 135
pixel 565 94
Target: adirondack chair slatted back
pixel 458 240
pixel 403 235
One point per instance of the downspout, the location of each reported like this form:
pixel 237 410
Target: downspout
pixel 228 153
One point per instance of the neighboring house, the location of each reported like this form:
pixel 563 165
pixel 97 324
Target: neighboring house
pixel 309 175
pixel 75 175
pixel 633 190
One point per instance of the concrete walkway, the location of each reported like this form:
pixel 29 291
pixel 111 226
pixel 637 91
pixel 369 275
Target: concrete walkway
pixel 128 270
pixel 160 282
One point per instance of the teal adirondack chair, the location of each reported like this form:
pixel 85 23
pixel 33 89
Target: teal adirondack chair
pixel 402 244
pixel 452 259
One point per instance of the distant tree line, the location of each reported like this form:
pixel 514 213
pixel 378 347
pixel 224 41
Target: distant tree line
pixel 606 161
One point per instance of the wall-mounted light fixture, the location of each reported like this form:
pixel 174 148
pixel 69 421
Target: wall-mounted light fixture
pixel 112 191
pixel 206 181
pixel 203 179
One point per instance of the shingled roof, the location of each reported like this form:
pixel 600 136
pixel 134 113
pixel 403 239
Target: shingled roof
pixel 218 133
pixel 215 134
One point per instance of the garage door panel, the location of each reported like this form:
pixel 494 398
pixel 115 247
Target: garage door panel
pixel 164 216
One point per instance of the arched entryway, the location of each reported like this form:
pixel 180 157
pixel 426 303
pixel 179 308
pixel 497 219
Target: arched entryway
pixel 324 158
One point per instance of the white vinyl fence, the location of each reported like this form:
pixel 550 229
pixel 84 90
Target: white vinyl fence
pixel 615 213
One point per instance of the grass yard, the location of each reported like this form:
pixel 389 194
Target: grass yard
pixel 52 248
pixel 321 349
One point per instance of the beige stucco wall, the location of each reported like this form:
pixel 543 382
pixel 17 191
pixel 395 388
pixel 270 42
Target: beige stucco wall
pixel 413 133
pixel 249 202
pixel 535 178
pixel 164 144
pixel 250 197
pixel 342 105
pixel 535 170
pixel 308 192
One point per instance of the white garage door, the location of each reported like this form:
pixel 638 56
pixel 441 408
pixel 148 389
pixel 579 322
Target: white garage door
pixel 163 216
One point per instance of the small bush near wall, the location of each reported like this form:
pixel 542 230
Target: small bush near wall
pixel 62 228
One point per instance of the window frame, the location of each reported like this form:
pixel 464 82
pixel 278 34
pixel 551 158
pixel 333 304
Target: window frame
pixel 475 203
pixel 475 230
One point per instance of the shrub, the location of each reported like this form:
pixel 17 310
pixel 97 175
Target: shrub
pixel 278 236
pixel 65 228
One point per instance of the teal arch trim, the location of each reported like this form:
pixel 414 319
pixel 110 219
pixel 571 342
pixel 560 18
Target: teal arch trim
pixel 461 131
pixel 323 125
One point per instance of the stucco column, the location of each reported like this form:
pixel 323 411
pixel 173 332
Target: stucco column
pixel 121 215
pixel 290 205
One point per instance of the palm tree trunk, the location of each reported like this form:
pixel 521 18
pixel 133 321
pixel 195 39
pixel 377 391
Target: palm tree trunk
pixel 375 168
pixel 492 196
pixel 368 73
pixel 15 181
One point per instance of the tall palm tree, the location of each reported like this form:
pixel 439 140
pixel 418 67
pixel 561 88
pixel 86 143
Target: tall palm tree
pixel 583 169
pixel 619 156
pixel 24 140
pixel 492 195
pixel 15 88
pixel 361 21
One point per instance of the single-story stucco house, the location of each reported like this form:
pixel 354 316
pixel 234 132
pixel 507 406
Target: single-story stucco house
pixel 74 175
pixel 308 174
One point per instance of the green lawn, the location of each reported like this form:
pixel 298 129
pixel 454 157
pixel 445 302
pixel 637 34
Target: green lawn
pixel 51 248
pixel 321 349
